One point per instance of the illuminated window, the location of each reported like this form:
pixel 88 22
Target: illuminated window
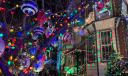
pixel 106 44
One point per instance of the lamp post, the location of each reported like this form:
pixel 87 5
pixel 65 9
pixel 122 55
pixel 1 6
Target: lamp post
pixel 93 25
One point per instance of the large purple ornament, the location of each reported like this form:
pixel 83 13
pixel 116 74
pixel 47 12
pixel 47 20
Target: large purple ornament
pixel 2 46
pixel 29 7
pixel 38 31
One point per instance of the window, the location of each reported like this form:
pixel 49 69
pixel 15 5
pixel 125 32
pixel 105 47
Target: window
pixel 91 49
pixel 106 44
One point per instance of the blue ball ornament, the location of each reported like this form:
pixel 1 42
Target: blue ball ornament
pixel 33 50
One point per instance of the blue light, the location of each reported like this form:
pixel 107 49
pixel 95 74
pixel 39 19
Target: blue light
pixel 19 34
pixel 33 50
pixel 39 57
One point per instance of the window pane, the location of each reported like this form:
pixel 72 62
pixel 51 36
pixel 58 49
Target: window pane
pixel 109 37
pixel 106 45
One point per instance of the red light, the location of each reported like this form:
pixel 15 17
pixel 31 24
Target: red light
pixel 3 1
pixel 12 12
pixel 53 34
pixel 14 39
pixel 6 46
pixel 2 9
pixel 44 49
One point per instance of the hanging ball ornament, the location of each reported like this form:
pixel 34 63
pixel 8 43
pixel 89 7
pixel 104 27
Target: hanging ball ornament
pixel 29 7
pixel 38 31
pixel 24 61
pixel 67 37
pixel 38 66
pixel 54 42
pixel 33 51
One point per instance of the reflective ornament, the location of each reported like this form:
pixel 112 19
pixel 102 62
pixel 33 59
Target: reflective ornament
pixel 49 31
pixel 38 31
pixel 39 57
pixel 54 42
pixel 41 17
pixel 24 62
pixel 33 50
pixel 29 7
pixel 2 25
pixel 2 46
pixel 38 66
pixel 67 37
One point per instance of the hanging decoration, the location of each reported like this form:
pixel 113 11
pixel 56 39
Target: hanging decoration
pixel 103 9
pixel 28 48
pixel 38 31
pixel 67 37
pixel 38 66
pixel 33 50
pixel 54 42
pixel 2 46
pixel 49 31
pixel 29 7
pixel 41 17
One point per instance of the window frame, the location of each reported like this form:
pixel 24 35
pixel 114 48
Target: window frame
pixel 105 45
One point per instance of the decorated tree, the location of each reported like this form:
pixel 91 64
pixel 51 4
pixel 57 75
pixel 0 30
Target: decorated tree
pixel 117 66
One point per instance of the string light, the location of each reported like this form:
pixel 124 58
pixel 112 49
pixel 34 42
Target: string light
pixel 17 5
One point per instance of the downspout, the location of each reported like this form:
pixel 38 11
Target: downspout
pixel 116 33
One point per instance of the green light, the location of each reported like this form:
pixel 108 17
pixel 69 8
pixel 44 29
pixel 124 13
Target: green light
pixel 98 52
pixel 13 47
pixel 1 35
pixel 64 15
pixel 48 50
pixel 29 43
pixel 33 23
pixel 9 62
pixel 61 34
pixel 99 59
pixel 72 70
pixel 66 68
pixel 28 33
pixel 75 11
